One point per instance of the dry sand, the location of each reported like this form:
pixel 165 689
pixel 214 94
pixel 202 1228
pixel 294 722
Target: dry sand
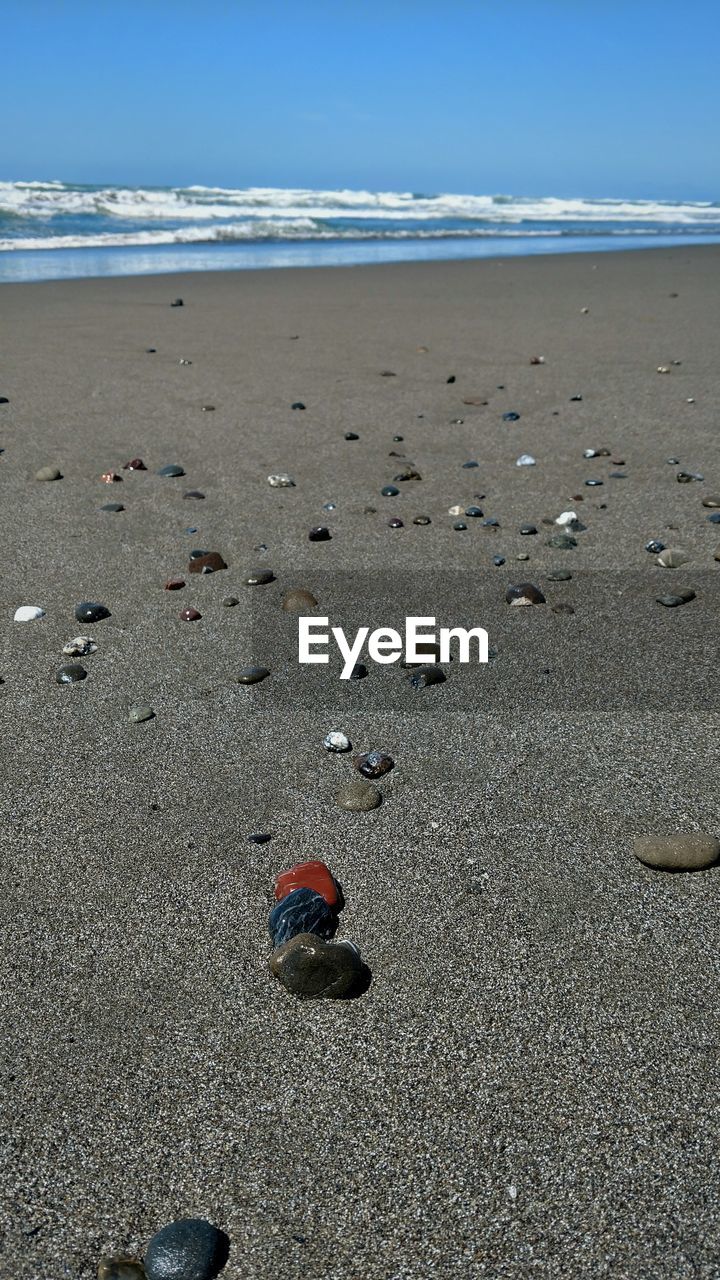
pixel 530 1085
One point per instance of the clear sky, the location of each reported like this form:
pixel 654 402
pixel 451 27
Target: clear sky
pixel 529 97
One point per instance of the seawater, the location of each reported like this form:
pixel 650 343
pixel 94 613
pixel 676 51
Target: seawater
pixel 55 229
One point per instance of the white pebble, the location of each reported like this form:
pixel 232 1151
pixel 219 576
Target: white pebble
pixel 79 647
pixel 336 741
pixel 525 460
pixel 28 613
pixel 456 511
pixel 281 481
pixel 567 518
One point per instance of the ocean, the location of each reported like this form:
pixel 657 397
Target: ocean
pixel 53 230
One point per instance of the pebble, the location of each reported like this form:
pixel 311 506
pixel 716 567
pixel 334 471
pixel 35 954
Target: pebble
pixel 210 562
pixel 351 435
pixel 712 500
pixel 259 837
pixel 136 715
pixel 498 561
pixel 524 593
pixel 527 529
pixel 470 466
pixel 190 615
pixel 112 506
pixel 572 398
pixel 456 511
pixel 172 470
pixel 681 852
pixel 177 303
pixel 525 460
pixel 672 558
pixel 390 491
pixel 672 601
pixel 309 875
pixel 511 416
pixel 596 453
pixel 426 675
pixel 208 408
pixel 121 1267
pixel 395 523
pixel 281 480
pixel 398 439
pixel 302 911
pixel 563 541
pixel 312 969
pixel 422 520
pixel 135 464
pixel 80 647
pixel 174 584
pixel 491 523
pixel 91 611
pixel 714 517
pixel 71 674
pixel 298 600
pixel 193 493
pixel 230 601
pixel 28 613
pixel 298 404
pixel 537 359
pixel 48 473
pixel 655 546
pixel 459 525
pixel 593 484
pixel 358 797
pixel 320 534
pixel 258 578
pixel 558 575
pixel 252 675
pixel 685 477
pixel 474 512
pixel 336 741
pixel 188 1249
pixel 567 519
pixel 663 368
pixel 374 764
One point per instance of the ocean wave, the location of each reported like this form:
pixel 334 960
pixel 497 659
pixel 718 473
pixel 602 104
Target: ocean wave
pixel 53 199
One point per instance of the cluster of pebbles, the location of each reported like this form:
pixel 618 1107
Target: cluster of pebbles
pixel 302 923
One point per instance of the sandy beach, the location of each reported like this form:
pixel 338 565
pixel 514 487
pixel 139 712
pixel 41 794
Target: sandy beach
pixel 530 1084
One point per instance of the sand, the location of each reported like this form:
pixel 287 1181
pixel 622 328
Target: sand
pixel 530 1085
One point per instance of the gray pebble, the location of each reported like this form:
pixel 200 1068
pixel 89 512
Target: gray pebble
pixel 358 797
pixel 139 713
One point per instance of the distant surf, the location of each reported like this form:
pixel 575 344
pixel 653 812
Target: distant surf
pixel 297 226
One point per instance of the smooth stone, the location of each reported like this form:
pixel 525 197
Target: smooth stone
pixel 563 541
pixel 525 460
pixel 135 464
pixel 174 584
pixel 28 613
pixel 491 523
pixel 189 1249
pixel 672 558
pixel 252 675
pixel 685 477
pixel 312 969
pixel 390 491
pixel 298 404
pixel 298 600
pixel 308 875
pixel 208 408
pixel 259 578
pixel 336 741
pixel 558 575
pixel 121 1267
pixel 527 529
pixel 91 611
pixel 177 303
pixel 422 520
pixel 712 500
pixel 395 523
pixel 190 615
pixel 48 473
pixel 71 674
pixel 510 416
pixel 80 647
pixel 211 562
pixel 172 470
pixel 230 601
pixel 714 517
pixel 259 837
pixel 689 852
pixel 469 466
pixel 655 546
pixel 193 493
pixel 498 561
pixel 304 910
pixel 374 764
pixel 575 398
pixel 320 534
pixel 422 677
pixel 359 671
pixel 459 526
pixel 593 484
pixel 112 506
pixel 398 439
pixel 281 480
pixel 672 601
pixel 351 435
pixel 358 797
pixel 474 512
pixel 524 593
pixel 136 715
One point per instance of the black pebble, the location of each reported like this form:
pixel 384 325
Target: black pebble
pixel 177 303
pixel 655 546
pixel 491 523
pixel 576 398
pixel 188 1249
pixel 511 417
pixel 351 435
pixel 4 400
pixel 90 611
pixel 473 511
pixel 358 672
pixel 150 351
pixel 528 528
pixel 399 439
pixel 297 405
pixel 259 838
pixel 320 534
pixel 421 677
pixel 467 466
pixel 112 506
pixel 451 378
pixel 498 560
pixel 390 491
pixel 459 525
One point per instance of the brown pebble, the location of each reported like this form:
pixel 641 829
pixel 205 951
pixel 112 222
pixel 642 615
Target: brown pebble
pixel 135 464
pixel 174 584
pixel 359 797
pixel 190 615
pixel 212 562
pixel 298 600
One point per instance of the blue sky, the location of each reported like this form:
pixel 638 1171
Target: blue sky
pixel 566 97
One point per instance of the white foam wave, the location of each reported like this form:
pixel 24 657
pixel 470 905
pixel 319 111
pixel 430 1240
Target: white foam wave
pixel 49 199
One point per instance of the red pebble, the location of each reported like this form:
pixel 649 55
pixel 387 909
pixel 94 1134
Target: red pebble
pixel 174 584
pixel 190 615
pixel 135 464
pixel 308 875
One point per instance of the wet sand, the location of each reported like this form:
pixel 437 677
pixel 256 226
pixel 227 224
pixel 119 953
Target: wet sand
pixel 530 1084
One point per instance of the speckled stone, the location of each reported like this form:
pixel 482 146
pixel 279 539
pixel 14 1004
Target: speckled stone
pixel 428 674
pixel 301 911
pixel 358 797
pixel 136 715
pixel 252 675
pixel 71 674
pixel 312 969
pixel 258 578
pixel 374 764
pixel 121 1267
pixel 189 1249
pixel 48 473
pixel 91 611
pixel 79 647
pixel 210 562
pixel 680 852
pixel 172 471
pixel 298 600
